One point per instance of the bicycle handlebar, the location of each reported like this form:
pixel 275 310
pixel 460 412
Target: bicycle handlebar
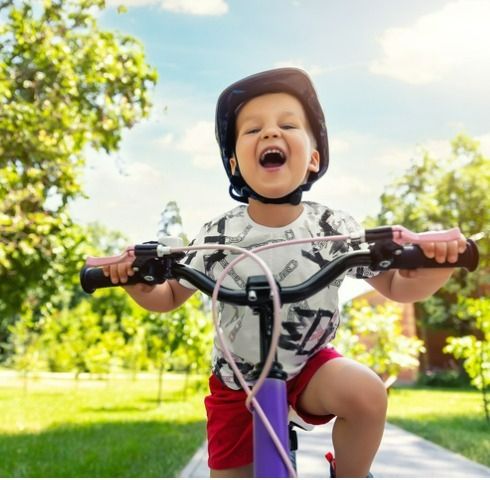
pixel 157 262
pixel 385 256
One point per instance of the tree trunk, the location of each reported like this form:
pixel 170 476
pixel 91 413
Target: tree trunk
pixel 160 385
pixel 186 382
pixel 422 333
pixel 483 382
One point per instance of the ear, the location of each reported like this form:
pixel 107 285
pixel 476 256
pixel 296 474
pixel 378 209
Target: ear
pixel 314 165
pixel 233 164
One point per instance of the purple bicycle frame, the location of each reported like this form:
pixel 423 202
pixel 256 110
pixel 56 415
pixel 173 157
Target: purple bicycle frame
pixel 272 397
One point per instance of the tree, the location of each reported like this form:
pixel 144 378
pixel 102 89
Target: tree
pixel 195 350
pixel 475 351
pixel 373 336
pixel 442 193
pixel 170 224
pixel 81 340
pixel 25 346
pixel 176 337
pixel 65 85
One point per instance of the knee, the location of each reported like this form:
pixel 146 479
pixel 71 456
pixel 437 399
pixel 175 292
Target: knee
pixel 369 400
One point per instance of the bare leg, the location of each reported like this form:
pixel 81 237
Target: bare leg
pixel 239 472
pixel 357 396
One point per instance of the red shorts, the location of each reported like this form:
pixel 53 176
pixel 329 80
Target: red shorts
pixel 230 422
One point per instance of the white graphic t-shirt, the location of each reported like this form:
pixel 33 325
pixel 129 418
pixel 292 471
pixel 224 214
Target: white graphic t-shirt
pixel 307 326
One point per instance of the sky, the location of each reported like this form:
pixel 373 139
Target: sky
pixel 394 79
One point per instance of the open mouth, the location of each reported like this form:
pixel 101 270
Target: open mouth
pixel 272 158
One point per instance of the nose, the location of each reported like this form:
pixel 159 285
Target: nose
pixel 271 131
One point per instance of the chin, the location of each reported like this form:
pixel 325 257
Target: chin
pixel 275 191
pixel 273 195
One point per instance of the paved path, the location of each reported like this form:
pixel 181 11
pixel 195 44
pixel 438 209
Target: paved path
pixel 401 454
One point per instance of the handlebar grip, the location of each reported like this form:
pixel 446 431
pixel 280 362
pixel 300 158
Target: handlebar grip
pixel 412 257
pixel 92 278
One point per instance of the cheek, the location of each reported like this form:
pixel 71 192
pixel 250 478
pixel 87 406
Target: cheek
pixel 244 149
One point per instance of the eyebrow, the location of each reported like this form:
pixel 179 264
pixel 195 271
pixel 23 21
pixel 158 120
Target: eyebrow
pixel 253 117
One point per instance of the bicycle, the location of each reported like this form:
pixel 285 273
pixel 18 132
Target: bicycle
pixel 387 248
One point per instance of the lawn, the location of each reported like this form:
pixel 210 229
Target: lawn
pixel 451 418
pixel 98 429
pixel 116 428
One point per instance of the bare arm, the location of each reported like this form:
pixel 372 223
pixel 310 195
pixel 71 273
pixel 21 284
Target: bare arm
pixel 159 298
pixel 156 298
pixel 393 285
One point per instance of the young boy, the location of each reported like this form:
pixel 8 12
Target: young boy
pixel 273 142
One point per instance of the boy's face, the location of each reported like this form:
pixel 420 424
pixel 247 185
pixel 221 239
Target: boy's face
pixel 274 145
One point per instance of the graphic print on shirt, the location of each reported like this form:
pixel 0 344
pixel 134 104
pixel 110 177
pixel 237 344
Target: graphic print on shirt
pixel 306 329
pixel 233 318
pixel 331 227
pixel 220 256
pixel 290 267
pixel 315 256
pixel 224 372
pixel 190 255
pixel 307 326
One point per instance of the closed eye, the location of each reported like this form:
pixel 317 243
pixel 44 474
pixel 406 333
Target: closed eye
pixel 288 126
pixel 251 131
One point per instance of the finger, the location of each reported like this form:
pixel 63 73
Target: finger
pixel 106 271
pixel 452 251
pixel 428 249
pixel 462 244
pixel 114 274
pixel 440 252
pixel 122 271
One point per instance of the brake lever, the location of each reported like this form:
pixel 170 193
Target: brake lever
pixel 127 255
pixel 401 235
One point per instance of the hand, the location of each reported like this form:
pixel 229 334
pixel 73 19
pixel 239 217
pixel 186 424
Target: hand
pixel 119 272
pixel 441 251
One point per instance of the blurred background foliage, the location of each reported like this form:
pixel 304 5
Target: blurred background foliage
pixel 67 85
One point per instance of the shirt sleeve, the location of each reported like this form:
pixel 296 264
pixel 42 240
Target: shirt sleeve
pixel 195 258
pixel 349 226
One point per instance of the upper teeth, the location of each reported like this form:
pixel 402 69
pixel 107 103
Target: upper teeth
pixel 272 150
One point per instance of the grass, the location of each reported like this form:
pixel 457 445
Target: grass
pixel 451 418
pixel 98 429
pixel 116 428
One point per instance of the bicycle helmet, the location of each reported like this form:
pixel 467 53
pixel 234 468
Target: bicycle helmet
pixel 294 81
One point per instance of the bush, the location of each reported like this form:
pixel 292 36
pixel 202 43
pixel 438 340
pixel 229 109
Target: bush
pixel 373 336
pixel 444 378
